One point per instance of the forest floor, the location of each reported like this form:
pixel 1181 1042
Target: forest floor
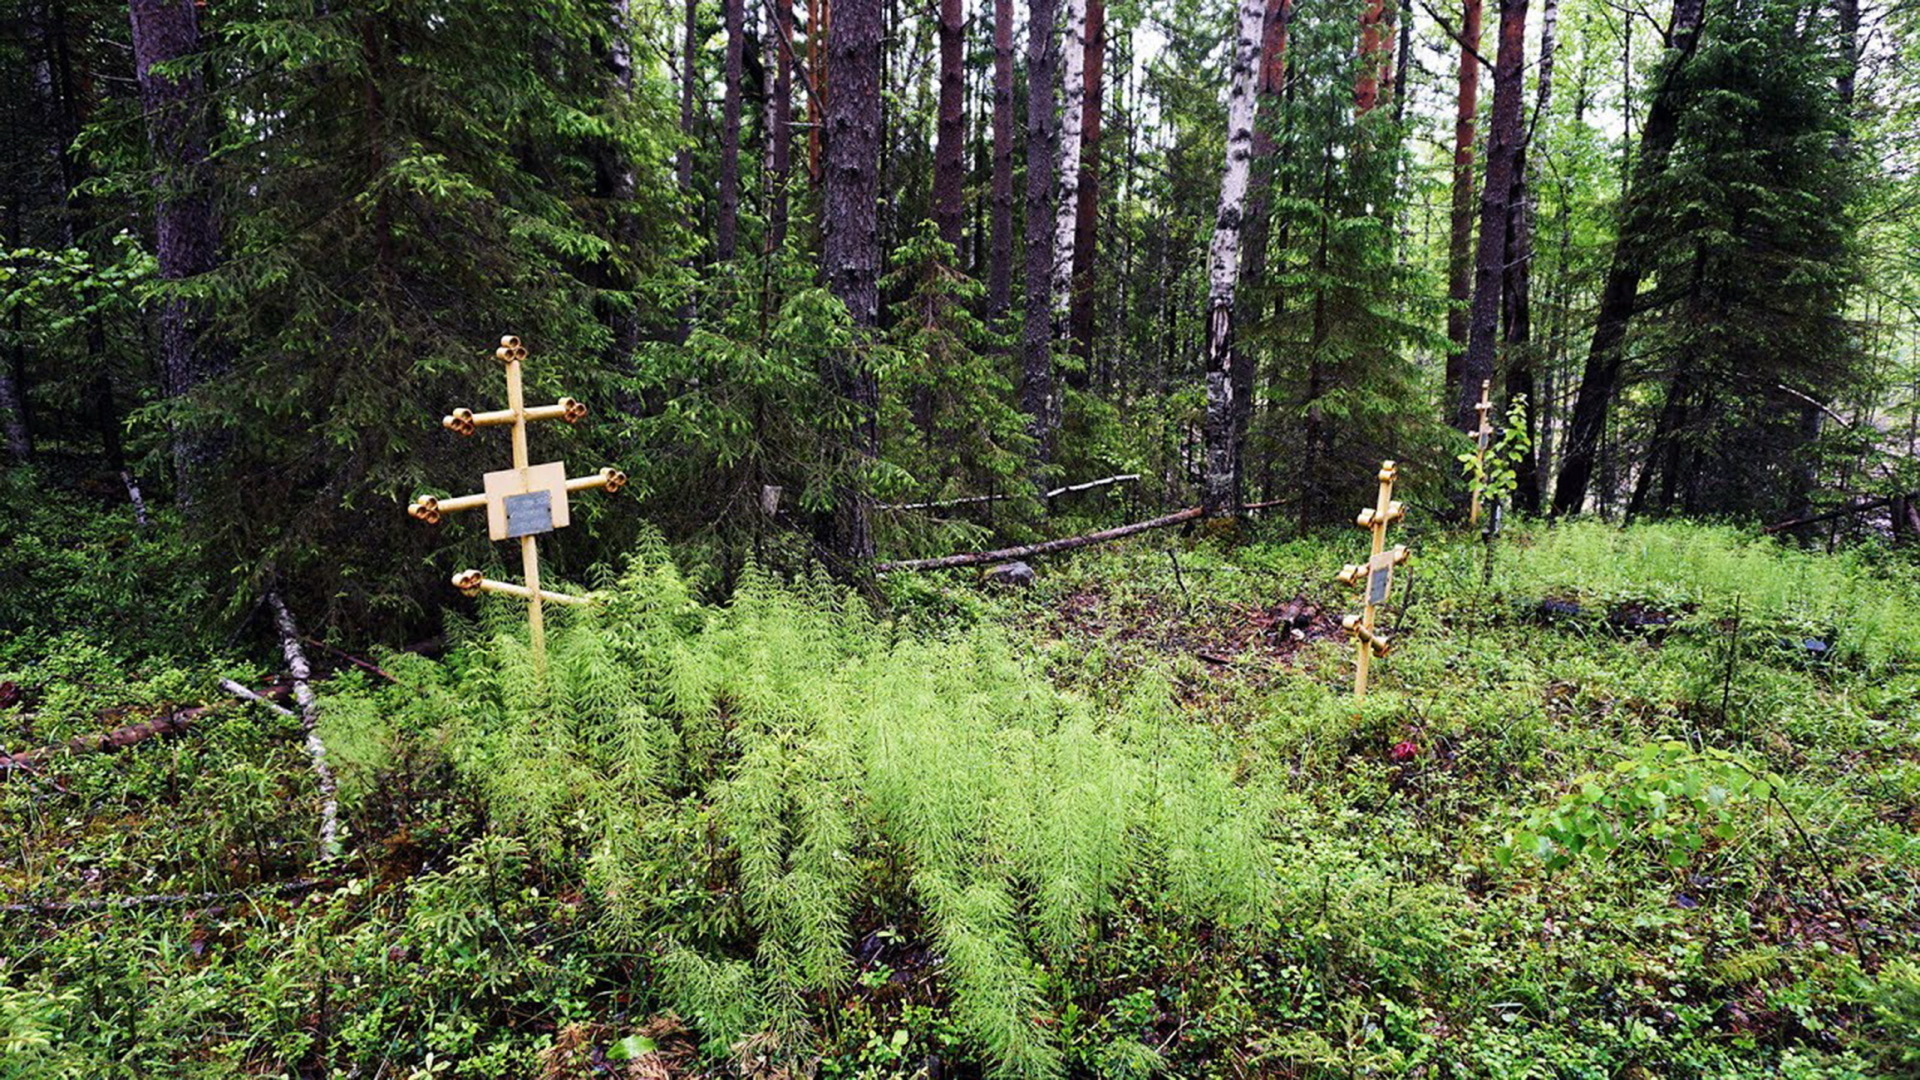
pixel 1622 803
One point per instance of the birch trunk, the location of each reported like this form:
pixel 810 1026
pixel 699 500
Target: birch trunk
pixel 1073 94
pixel 309 722
pixel 852 246
pixel 1221 494
pixel 1043 140
pixel 1000 260
pixel 1087 201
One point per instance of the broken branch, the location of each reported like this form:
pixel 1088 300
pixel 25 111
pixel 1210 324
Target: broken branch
pixel 1048 547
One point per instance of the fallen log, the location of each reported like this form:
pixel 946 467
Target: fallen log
pixel 172 722
pixel 310 721
pixel 970 500
pixel 1848 510
pixel 1048 547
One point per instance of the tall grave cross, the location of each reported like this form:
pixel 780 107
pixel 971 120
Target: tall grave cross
pixel 1374 577
pixel 1480 437
pixel 521 502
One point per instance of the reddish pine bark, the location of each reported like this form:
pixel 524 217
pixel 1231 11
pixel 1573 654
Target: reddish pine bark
pixel 949 170
pixel 1460 242
pixel 1376 50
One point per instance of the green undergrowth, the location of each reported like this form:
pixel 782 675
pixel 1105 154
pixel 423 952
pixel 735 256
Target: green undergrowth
pixel 1125 822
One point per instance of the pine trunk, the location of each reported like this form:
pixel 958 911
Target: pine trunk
pixel 689 75
pixel 1043 137
pixel 1460 240
pixel 1224 440
pixel 1375 54
pixel 1000 261
pixel 1600 378
pixel 1066 198
pixel 1087 204
pixel 1503 150
pixel 949 168
pixel 726 230
pixel 187 235
pixel 780 138
pixel 852 245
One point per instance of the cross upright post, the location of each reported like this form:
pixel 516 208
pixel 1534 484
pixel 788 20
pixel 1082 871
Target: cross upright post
pixel 1480 437
pixel 1374 577
pixel 523 501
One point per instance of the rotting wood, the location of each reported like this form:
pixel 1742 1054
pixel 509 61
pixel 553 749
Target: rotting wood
pixel 1048 547
pixel 172 722
pixel 309 720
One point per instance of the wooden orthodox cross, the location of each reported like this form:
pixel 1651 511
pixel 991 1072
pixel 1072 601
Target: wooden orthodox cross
pixel 1480 437
pixel 521 502
pixel 1374 577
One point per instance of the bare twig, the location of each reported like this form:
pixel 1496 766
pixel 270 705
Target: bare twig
pixel 976 558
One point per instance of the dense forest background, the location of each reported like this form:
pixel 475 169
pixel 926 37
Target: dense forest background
pixel 817 268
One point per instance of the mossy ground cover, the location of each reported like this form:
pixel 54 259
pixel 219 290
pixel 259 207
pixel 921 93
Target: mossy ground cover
pixel 1622 803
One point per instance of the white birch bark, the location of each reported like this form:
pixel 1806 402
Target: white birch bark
pixel 1073 99
pixel 309 720
pixel 1222 486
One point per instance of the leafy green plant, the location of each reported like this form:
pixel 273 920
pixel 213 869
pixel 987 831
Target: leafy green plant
pixel 1666 796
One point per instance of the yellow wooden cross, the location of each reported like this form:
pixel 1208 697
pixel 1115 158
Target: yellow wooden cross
pixel 1374 577
pixel 1480 437
pixel 521 502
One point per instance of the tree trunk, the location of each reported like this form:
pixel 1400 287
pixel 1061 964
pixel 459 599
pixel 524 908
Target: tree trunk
pixel 1267 111
pixel 1043 137
pixel 1087 204
pixel 949 168
pixel 1066 198
pixel 1600 378
pixel 1522 358
pixel 1221 494
pixel 1460 240
pixel 187 234
pixel 1000 261
pixel 726 230
pixel 780 138
pixel 1503 148
pixel 1375 54
pixel 852 245
pixel 689 76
